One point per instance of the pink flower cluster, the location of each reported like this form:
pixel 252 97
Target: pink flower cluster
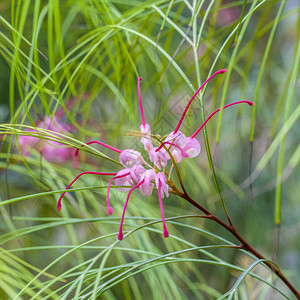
pixel 50 150
pixel 175 146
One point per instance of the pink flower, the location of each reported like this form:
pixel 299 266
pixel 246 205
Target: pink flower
pixel 147 187
pixel 177 138
pixel 146 129
pixel 161 179
pixel 129 158
pixel 123 178
pixel 192 147
pixel 136 173
pixel 159 158
pixel 51 150
pixel 28 142
pixel 135 176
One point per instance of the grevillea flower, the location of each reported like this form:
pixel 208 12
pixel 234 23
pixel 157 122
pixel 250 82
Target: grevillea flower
pixel 159 158
pixel 129 158
pixel 147 187
pixel 51 150
pixel 146 130
pixel 161 179
pixel 123 178
pixel 136 176
pixel 192 147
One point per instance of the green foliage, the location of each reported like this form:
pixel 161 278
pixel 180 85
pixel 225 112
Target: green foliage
pixel 92 52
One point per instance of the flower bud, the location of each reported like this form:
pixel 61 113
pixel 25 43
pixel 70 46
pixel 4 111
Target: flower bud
pixel 128 158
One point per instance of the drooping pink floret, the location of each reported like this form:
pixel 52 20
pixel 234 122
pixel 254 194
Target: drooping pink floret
pixel 128 158
pixel 146 129
pixel 159 158
pixel 123 178
pixel 177 155
pixel 160 177
pixel 177 138
pixel 177 141
pixel 147 187
pixel 136 173
pixel 192 147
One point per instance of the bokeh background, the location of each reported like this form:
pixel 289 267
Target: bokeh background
pixel 71 67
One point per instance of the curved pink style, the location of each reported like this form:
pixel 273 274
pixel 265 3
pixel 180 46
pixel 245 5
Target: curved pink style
pixel 100 143
pixel 109 208
pixel 184 154
pixel 134 174
pixel 97 173
pixel 212 114
pixel 140 100
pixel 120 235
pixel 165 231
pixel 200 88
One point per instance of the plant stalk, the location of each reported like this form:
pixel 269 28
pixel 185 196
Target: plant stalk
pixel 244 244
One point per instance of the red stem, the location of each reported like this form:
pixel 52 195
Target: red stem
pixel 245 245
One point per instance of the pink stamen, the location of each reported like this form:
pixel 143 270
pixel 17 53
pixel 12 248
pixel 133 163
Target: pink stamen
pixel 96 173
pixel 165 231
pixel 234 103
pixel 100 143
pixel 140 100
pixel 184 154
pixel 190 102
pixel 120 235
pixel 109 208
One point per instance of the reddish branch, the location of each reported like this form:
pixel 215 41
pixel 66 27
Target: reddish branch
pixel 244 244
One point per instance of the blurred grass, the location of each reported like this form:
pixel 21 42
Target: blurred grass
pixel 56 50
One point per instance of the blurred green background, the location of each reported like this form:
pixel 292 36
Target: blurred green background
pixel 78 61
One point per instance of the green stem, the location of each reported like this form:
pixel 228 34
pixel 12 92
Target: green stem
pixel 207 147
